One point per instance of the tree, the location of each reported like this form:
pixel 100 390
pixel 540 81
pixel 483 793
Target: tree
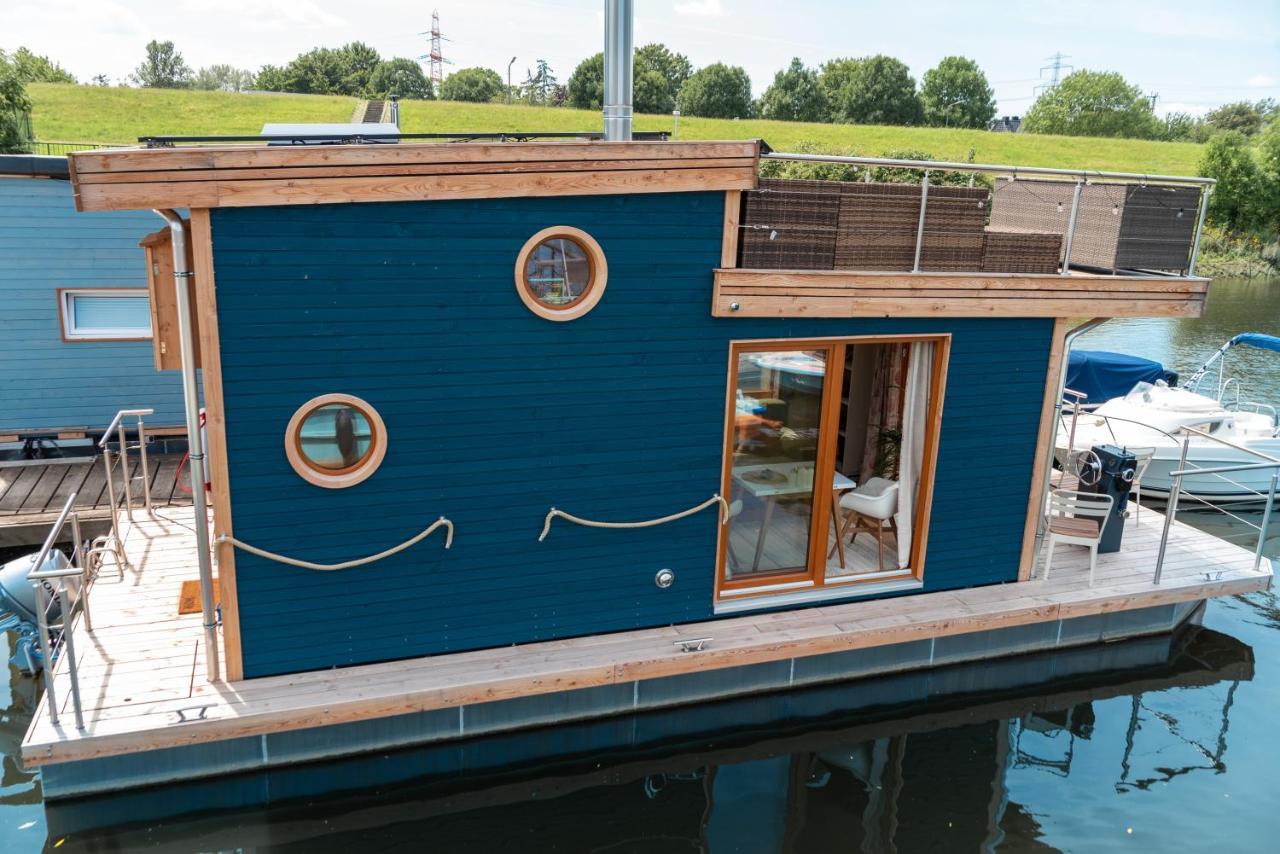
pixel 1242 116
pixel 657 73
pixel 164 68
pixel 101 80
pixel 319 71
pixel 1093 103
pixel 876 90
pixel 795 96
pixel 1183 127
pixel 400 76
pixel 540 85
pixel 956 93
pixel 472 84
pixel 717 91
pixel 654 61
pixel 586 84
pixel 271 78
pixel 223 78
pixel 15 113
pixel 1240 200
pixel 29 67
pixel 357 62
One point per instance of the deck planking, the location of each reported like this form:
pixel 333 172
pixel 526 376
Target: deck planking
pixel 32 496
pixel 143 662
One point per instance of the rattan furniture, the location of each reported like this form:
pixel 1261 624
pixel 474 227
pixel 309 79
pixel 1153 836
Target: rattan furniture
pixel 1021 252
pixel 1118 227
pixel 790 225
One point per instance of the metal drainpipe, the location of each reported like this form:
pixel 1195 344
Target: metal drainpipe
pixel 1071 336
pixel 191 396
pixel 619 43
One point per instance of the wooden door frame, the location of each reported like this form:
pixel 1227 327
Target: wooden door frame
pixel 814 575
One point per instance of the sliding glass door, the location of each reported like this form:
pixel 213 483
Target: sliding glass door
pixel 830 445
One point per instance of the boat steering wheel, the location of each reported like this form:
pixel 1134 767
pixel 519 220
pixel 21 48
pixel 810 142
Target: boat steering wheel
pixel 1088 468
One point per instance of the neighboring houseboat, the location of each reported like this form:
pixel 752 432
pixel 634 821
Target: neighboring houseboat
pixel 77 333
pixel 504 433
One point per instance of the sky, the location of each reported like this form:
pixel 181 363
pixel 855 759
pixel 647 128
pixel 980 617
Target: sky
pixel 1193 55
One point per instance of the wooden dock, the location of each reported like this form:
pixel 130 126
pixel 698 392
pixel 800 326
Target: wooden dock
pixel 142 675
pixel 32 495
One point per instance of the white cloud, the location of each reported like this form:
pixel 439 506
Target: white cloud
pixel 258 15
pixel 700 8
pixel 1260 81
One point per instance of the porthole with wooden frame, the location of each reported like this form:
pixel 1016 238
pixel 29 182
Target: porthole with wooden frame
pixel 335 441
pixel 561 273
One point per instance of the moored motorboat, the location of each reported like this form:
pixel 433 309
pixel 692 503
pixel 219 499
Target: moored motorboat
pixel 1159 416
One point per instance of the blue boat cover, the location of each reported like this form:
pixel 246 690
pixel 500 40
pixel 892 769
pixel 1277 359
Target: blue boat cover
pixel 1257 339
pixel 1104 375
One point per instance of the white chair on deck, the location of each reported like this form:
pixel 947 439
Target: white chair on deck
pixel 1142 458
pixel 1076 518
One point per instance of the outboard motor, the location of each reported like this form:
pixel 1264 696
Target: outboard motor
pixel 1112 475
pixel 18 605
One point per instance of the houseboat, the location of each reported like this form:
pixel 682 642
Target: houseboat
pixel 510 432
pixel 76 351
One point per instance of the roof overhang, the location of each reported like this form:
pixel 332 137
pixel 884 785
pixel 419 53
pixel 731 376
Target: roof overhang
pixel 253 176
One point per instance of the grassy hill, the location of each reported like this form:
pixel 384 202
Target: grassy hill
pixel 96 114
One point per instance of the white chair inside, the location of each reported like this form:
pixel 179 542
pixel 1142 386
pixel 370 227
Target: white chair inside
pixel 867 509
pixel 1076 518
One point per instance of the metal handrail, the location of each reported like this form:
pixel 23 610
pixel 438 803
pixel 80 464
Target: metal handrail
pixel 40 580
pixel 117 426
pixel 1175 493
pixel 1081 176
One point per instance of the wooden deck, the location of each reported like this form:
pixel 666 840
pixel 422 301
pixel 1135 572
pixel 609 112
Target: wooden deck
pixel 31 496
pixel 143 663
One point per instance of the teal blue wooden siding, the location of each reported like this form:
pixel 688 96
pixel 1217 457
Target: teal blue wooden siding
pixel 46 245
pixel 494 415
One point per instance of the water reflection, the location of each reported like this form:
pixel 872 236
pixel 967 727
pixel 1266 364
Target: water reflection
pixel 791 772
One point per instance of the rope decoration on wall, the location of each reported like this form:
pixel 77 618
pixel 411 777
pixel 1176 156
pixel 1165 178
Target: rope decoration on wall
pixel 348 564
pixel 577 520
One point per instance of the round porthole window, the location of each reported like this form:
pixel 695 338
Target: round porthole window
pixel 335 441
pixel 561 273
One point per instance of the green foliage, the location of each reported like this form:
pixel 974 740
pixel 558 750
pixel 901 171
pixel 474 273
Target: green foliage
pixel 29 67
pixel 795 96
pixel 586 84
pixel 1244 116
pixel 1184 127
pixel 1242 198
pixel 835 75
pixel 164 68
pixel 956 93
pixel 346 70
pixel 663 74
pixel 472 84
pixel 400 76
pixel 15 113
pixel 223 78
pixel 1093 103
pixel 876 90
pixel 540 87
pixel 819 171
pixel 717 91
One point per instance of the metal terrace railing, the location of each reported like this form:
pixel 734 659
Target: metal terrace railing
pixel 119 459
pixel 51 586
pixel 59 147
pixel 1087 191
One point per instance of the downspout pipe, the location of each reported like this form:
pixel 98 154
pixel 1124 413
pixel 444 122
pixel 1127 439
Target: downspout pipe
pixel 1067 341
pixel 182 276
pixel 619 61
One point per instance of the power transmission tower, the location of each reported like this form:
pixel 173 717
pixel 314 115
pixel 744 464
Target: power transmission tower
pixel 1055 66
pixel 436 56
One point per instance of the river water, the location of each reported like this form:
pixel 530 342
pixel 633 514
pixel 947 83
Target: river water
pixel 1177 751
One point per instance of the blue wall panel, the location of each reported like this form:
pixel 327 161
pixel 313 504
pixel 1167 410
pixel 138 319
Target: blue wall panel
pixel 45 245
pixel 494 415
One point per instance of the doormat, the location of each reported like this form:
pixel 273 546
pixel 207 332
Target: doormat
pixel 189 599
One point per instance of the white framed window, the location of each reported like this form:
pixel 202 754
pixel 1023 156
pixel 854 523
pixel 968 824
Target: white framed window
pixel 104 314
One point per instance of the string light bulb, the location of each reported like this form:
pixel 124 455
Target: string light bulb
pixel 1115 210
pixel 773 234
pixel 1059 207
pixel 1179 213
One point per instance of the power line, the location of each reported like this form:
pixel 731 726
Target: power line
pixel 1055 66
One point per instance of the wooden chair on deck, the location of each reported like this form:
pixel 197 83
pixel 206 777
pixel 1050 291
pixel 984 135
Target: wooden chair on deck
pixel 1076 518
pixel 867 509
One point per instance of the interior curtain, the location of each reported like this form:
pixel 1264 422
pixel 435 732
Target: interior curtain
pixel 915 415
pixel 884 414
